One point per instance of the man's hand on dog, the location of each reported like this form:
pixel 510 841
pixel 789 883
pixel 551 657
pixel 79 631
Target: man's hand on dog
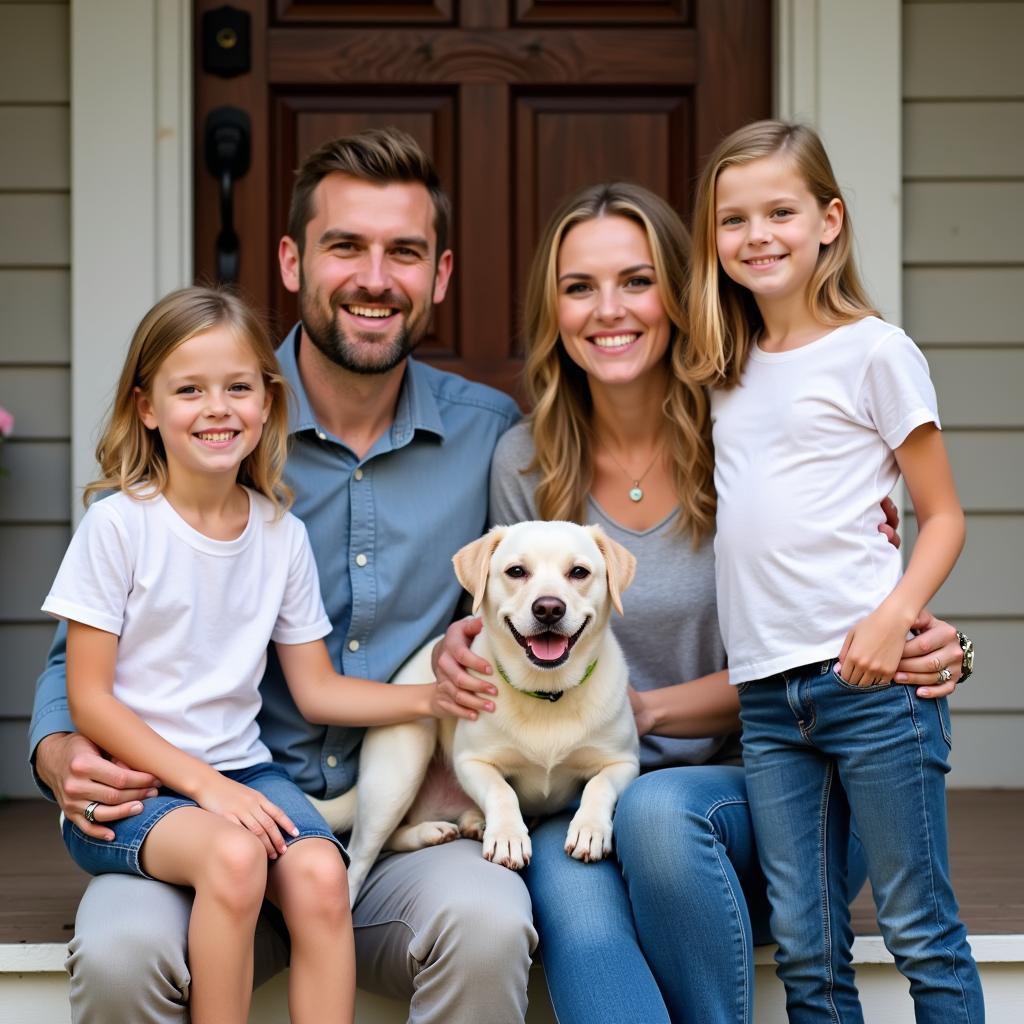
pixel 460 693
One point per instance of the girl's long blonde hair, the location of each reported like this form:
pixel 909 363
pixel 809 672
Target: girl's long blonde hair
pixel 724 318
pixel 558 388
pixel 131 456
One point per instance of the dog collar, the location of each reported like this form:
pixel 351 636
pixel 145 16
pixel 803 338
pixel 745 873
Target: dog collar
pixel 549 695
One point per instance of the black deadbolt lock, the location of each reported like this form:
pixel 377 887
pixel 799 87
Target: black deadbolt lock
pixel 226 42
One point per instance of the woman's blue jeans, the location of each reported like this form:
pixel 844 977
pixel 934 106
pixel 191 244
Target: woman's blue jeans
pixel 664 929
pixel 816 750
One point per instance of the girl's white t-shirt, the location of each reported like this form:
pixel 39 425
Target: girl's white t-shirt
pixel 193 615
pixel 803 456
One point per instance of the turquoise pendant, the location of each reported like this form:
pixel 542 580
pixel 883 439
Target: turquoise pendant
pixel 635 494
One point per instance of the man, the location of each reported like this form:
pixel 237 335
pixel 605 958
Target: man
pixel 389 464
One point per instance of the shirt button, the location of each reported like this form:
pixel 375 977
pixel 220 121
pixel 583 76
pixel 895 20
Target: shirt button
pixel 321 435
pixel 332 761
pixel 361 560
pixel 353 645
pixel 358 474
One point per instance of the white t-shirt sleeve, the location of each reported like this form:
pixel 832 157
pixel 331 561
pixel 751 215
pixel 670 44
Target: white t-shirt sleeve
pixel 897 395
pixel 96 575
pixel 302 617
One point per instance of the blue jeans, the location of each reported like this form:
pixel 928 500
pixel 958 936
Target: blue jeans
pixel 664 929
pixel 816 750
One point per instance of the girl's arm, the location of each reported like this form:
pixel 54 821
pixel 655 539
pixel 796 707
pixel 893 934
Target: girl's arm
pixel 873 648
pixel 99 715
pixel 325 697
pixel 703 707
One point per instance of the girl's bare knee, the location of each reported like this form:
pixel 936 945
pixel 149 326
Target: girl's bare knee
pixel 316 885
pixel 235 872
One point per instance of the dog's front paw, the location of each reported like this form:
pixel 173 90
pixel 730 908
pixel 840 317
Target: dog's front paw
pixel 588 839
pixel 510 847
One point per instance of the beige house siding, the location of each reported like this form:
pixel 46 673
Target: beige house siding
pixel 34 351
pixel 963 283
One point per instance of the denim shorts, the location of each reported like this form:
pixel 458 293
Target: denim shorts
pixel 120 855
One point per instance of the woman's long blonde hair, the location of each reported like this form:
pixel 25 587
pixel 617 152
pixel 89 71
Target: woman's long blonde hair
pixel 130 455
pixel 557 387
pixel 724 318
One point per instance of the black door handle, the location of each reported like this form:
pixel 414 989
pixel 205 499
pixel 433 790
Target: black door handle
pixel 227 149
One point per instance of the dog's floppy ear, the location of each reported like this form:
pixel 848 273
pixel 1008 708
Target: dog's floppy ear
pixel 619 564
pixel 473 562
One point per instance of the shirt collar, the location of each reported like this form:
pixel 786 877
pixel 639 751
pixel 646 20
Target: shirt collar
pixel 417 404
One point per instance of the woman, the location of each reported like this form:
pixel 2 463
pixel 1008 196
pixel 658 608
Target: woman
pixel 664 930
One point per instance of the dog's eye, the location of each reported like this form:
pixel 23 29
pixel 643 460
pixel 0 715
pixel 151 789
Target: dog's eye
pixel 578 572
pixel 515 572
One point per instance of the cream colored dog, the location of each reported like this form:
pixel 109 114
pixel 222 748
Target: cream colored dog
pixel 562 717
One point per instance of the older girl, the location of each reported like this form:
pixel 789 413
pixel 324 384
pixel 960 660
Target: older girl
pixel 820 407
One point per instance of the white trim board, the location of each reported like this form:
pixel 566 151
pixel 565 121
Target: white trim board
pixel 48 957
pixel 131 191
pixel 837 68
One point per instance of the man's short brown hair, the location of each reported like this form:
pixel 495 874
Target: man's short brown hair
pixel 381 155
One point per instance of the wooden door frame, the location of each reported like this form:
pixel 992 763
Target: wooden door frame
pixel 131 157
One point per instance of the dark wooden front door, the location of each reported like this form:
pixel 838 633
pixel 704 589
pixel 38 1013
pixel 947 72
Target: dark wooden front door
pixel 518 101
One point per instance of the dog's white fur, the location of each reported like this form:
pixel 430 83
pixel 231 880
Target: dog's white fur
pixel 530 755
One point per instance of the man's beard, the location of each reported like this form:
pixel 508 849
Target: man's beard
pixel 375 355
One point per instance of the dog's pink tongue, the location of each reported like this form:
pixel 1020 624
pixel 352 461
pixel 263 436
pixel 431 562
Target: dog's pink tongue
pixel 548 646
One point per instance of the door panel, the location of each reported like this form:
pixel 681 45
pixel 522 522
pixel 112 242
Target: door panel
pixel 518 101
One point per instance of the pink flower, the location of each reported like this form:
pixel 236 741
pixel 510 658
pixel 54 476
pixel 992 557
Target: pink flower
pixel 6 422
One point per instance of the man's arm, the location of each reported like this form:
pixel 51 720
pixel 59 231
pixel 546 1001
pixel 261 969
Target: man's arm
pixel 69 768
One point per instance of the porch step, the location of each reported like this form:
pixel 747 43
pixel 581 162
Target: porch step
pixel 33 987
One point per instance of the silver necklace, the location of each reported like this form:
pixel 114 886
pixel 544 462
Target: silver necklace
pixel 636 492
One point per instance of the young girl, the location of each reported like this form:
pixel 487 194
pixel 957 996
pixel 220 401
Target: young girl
pixel 172 588
pixel 819 406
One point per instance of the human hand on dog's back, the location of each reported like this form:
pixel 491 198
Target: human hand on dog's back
pixel 451 658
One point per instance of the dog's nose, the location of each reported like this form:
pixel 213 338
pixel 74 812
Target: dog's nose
pixel 548 610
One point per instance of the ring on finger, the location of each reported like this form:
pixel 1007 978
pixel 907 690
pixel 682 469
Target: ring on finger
pixel 90 812
pixel 945 675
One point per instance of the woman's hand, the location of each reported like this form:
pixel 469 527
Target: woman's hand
pixel 642 712
pixel 934 648
pixel 462 694
pixel 248 808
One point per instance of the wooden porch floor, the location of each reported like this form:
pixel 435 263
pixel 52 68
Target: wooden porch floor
pixel 40 886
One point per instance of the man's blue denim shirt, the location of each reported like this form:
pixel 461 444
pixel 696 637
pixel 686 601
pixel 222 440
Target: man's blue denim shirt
pixel 383 530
